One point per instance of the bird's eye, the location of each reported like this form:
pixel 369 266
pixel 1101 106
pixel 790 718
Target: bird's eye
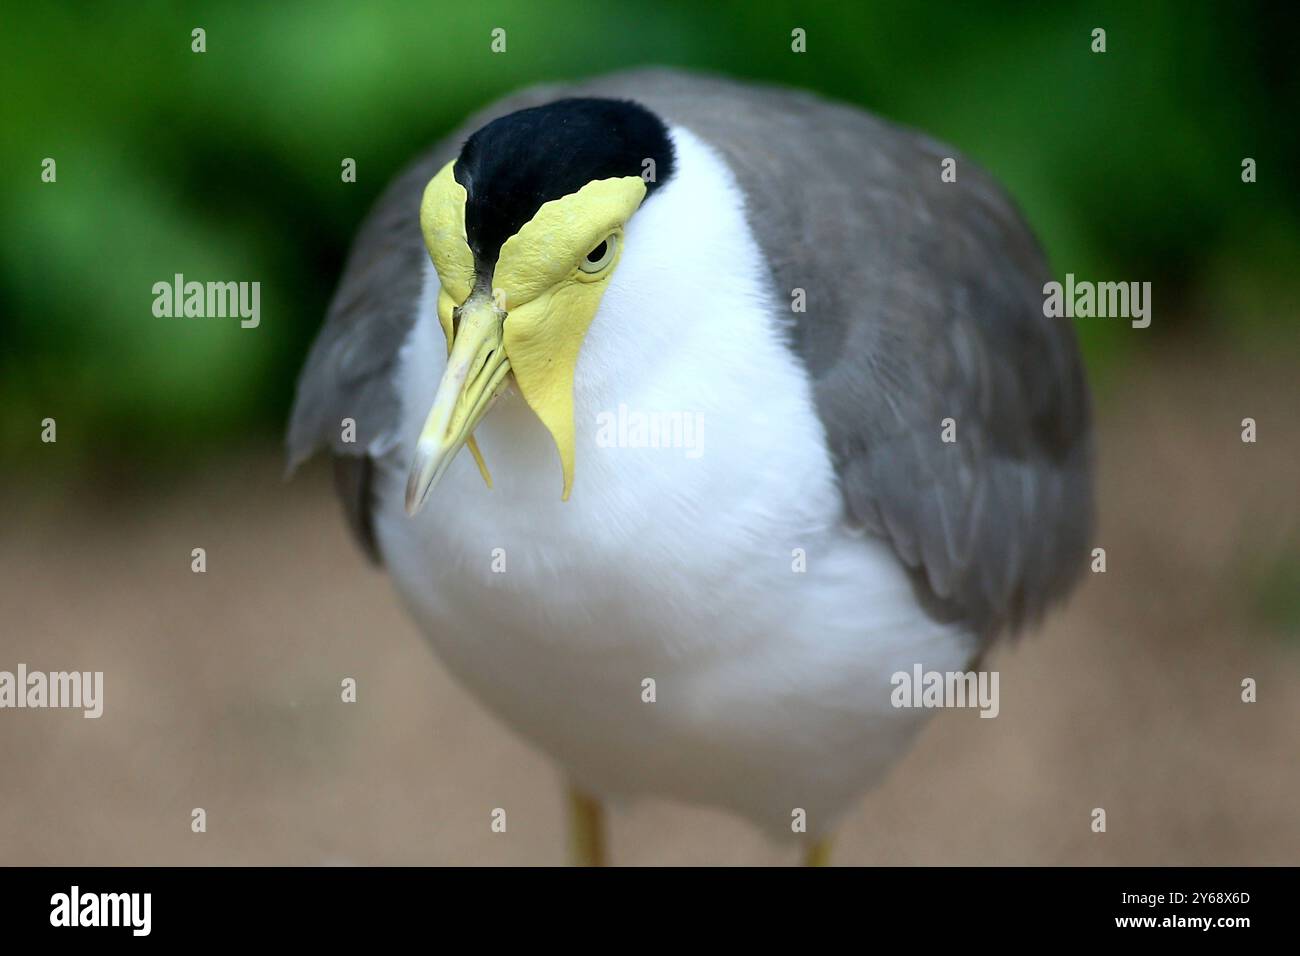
pixel 599 257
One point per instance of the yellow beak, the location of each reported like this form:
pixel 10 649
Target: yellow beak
pixel 475 376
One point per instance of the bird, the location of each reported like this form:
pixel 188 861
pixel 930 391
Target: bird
pixel 887 458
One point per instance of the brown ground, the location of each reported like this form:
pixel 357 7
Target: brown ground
pixel 223 689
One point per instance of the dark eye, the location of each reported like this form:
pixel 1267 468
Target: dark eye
pixel 599 257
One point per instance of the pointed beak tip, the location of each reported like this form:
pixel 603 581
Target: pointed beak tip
pixel 421 479
pixel 414 498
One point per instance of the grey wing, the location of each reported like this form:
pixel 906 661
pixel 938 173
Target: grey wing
pixel 349 370
pixel 924 304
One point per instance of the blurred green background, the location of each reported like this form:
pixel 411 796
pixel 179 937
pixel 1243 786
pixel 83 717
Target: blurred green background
pixel 226 165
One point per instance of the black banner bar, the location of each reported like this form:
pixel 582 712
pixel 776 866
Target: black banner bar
pixel 330 905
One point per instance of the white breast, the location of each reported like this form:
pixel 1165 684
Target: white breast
pixel 676 565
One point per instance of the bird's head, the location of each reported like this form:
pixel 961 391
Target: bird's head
pixel 525 229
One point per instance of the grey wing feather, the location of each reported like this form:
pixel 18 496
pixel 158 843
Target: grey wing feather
pixel 924 303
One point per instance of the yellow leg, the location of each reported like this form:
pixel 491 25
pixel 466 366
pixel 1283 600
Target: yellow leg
pixel 819 854
pixel 586 829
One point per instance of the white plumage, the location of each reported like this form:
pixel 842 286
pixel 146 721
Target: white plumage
pixel 772 685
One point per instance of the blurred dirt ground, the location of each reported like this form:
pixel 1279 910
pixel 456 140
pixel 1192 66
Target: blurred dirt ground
pixel 222 689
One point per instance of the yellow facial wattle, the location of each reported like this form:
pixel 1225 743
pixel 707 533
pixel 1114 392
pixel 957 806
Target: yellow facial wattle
pixel 543 296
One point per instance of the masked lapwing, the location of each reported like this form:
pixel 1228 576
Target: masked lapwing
pixel 687 414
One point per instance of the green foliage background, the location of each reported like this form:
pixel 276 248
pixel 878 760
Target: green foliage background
pixel 225 165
